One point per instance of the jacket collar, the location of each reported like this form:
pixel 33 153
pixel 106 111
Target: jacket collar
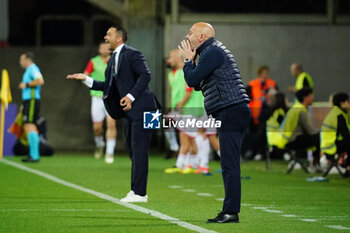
pixel 119 48
pixel 204 45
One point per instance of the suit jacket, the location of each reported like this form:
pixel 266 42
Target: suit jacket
pixel 133 76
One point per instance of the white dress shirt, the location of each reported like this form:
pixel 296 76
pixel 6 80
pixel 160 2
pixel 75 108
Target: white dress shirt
pixel 89 81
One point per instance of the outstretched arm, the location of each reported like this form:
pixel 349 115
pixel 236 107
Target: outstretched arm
pixel 88 81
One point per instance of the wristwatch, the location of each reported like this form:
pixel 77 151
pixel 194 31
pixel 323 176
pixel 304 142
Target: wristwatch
pixel 187 60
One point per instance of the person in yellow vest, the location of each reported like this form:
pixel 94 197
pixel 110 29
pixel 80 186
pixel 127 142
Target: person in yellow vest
pixel 96 69
pixel 303 79
pixel 296 131
pixel 335 135
pixel 278 111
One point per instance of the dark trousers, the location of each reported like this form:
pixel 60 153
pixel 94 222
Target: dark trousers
pixel 138 142
pixel 234 124
pixel 343 146
pixel 305 141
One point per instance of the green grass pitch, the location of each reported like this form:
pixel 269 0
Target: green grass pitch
pixel 272 201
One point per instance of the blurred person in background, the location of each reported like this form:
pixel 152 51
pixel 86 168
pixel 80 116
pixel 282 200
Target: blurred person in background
pixel 303 79
pixel 22 145
pixel 258 90
pixel 31 87
pixel 296 131
pixel 335 135
pixel 205 138
pixel 96 69
pixel 177 91
pixel 278 110
pixel 192 106
pixel 189 102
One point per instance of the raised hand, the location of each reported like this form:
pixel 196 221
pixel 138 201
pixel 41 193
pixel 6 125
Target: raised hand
pixel 186 51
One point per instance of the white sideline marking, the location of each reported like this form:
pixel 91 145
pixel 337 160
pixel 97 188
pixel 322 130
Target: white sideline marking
pixel 338 227
pixel 189 190
pixel 110 198
pixel 308 220
pixel 205 194
pixel 245 204
pixel 272 211
pixel 259 208
pixel 175 186
pixel 63 210
pixel 289 215
pixel 220 199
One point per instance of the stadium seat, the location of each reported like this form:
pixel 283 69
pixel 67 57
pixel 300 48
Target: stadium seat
pixel 295 160
pixel 334 162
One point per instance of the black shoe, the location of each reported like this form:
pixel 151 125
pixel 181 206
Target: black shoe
pixel 225 218
pixel 30 160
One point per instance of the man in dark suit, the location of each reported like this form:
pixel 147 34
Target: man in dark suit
pixel 126 95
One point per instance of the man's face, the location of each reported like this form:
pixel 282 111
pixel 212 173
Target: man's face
pixel 345 105
pixel 309 99
pixel 103 49
pixel 264 73
pixel 193 37
pixel 113 39
pixel 173 59
pixel 23 61
pixel 293 70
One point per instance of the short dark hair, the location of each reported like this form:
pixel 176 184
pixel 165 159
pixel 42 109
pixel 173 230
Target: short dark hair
pixel 121 30
pixel 302 93
pixel 279 101
pixel 339 98
pixel 29 55
pixel 262 68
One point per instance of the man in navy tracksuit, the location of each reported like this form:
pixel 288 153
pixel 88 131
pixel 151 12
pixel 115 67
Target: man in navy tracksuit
pixel 225 98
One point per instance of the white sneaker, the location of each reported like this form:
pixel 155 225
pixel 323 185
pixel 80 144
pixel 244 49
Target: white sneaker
pixel 99 152
pixel 130 193
pixel 109 158
pixel 296 166
pixel 132 197
pixel 286 156
pixel 258 157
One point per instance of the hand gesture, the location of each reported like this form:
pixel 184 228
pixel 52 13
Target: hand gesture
pixel 186 51
pixel 79 76
pixel 125 101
